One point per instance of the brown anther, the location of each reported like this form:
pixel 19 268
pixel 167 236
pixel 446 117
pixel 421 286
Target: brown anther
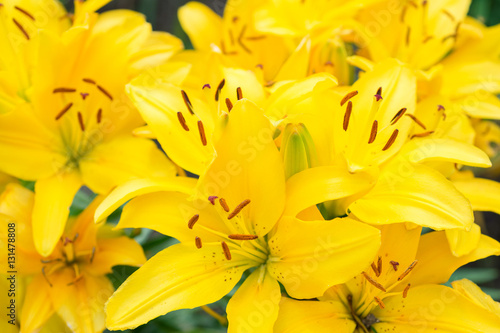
pixel 45 276
pixel 415 119
pixel 197 241
pixel 202 133
pixel 63 111
pixel 398 116
pixel 105 92
pixel 49 261
pixel 375 269
pixel 92 255
pixel 87 80
pixel 224 205
pixel 187 102
pixel 99 116
pixel 225 248
pixel 379 91
pixel 373 282
pixel 379 266
pixel 193 220
pixel 391 140
pixel 347 115
pixel 379 302
pixel 394 264
pixel 426 39
pixel 405 292
pixel 20 27
pixel 238 209
pixel 256 37
pixel 25 12
pixel 80 121
pixel 243 237
pixel 422 135
pixel 182 121
pixel 63 90
pixel 240 40
pixel 75 280
pixel 408 270
pixel 206 85
pixel 219 89
pixel 239 93
pixel 229 104
pixel 447 13
pixel 231 36
pixel 403 14
pixel 348 96
pixel 212 199
pixel 235 19
pixel 373 133
pixel 407 40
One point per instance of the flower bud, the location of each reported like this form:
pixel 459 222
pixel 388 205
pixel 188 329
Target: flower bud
pixel 298 149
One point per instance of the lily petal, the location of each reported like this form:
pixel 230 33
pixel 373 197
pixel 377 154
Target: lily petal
pixel 463 242
pixel 116 251
pixel 470 290
pixel 483 194
pixel 36 308
pixel 202 25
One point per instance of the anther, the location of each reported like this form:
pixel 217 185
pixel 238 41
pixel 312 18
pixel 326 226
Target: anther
pixel 391 140
pixel 379 266
pixel 193 220
pixel 99 116
pixel 20 27
pixel 394 264
pixel 240 40
pixel 347 115
pixel 421 135
pixel 373 133
pixel 25 12
pixel 182 121
pixel 408 270
pixel 75 280
pixel 447 13
pixel 206 85
pixel 407 40
pixel 92 255
pixel 415 119
pixel 373 282
pixel 87 80
pixel 105 92
pixel 379 91
pixel 238 209
pixel 398 116
pixel 379 302
pixel 229 104
pixel 219 89
pixel 243 237
pixel 212 199
pixel 63 111
pixel 225 248
pixel 49 261
pixel 202 133
pixel 187 101
pixel 348 97
pixel 224 205
pixel 239 93
pixel 405 292
pixel 45 276
pixel 197 241
pixel 375 269
pixel 80 121
pixel 63 90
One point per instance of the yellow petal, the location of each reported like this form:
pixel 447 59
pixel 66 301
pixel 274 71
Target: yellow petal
pixel 309 257
pixel 254 306
pixel 248 166
pixel 203 26
pixel 320 184
pixel 37 309
pixel 482 104
pixel 483 194
pixel 179 277
pixel 116 251
pixel 53 197
pixel 463 242
pixel 434 308
pixel 414 193
pixel 133 188
pixel 115 162
pixel 313 316
pixel 296 66
pixel 470 290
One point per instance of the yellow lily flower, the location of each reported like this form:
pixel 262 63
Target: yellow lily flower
pixel 71 282
pixel 233 224
pixel 400 292
pixel 76 129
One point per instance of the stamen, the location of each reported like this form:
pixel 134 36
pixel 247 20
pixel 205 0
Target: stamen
pixel 88 80
pixel 224 205
pixel 92 255
pixel 212 199
pixel 45 276
pixel 348 97
pixel 105 92
pixel 240 40
pixel 202 133
pixel 379 302
pixel 447 13
pixel 99 116
pixel 229 104
pixel 375 269
pixel 63 111
pixel 398 116
pixel 405 292
pixel 238 208
pixel 193 220
pixel 373 133
pixel 219 88
pixel 182 121
pixel 415 119
pixel 394 264
pixel 206 85
pixel 49 261
pixel 256 37
pixel 347 115
pixel 243 237
pixel 187 101
pixel 407 40
pixel 75 280
pixel 63 90
pixel 20 27
pixel 225 248
pixel 408 270
pixel 373 282
pixel 421 135
pixel 426 39
pixel 76 237
pixel 239 93
pixel 25 12
pixel 403 14
pixel 231 36
pixel 379 266
pixel 391 140
pixel 80 121
pixel 197 241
